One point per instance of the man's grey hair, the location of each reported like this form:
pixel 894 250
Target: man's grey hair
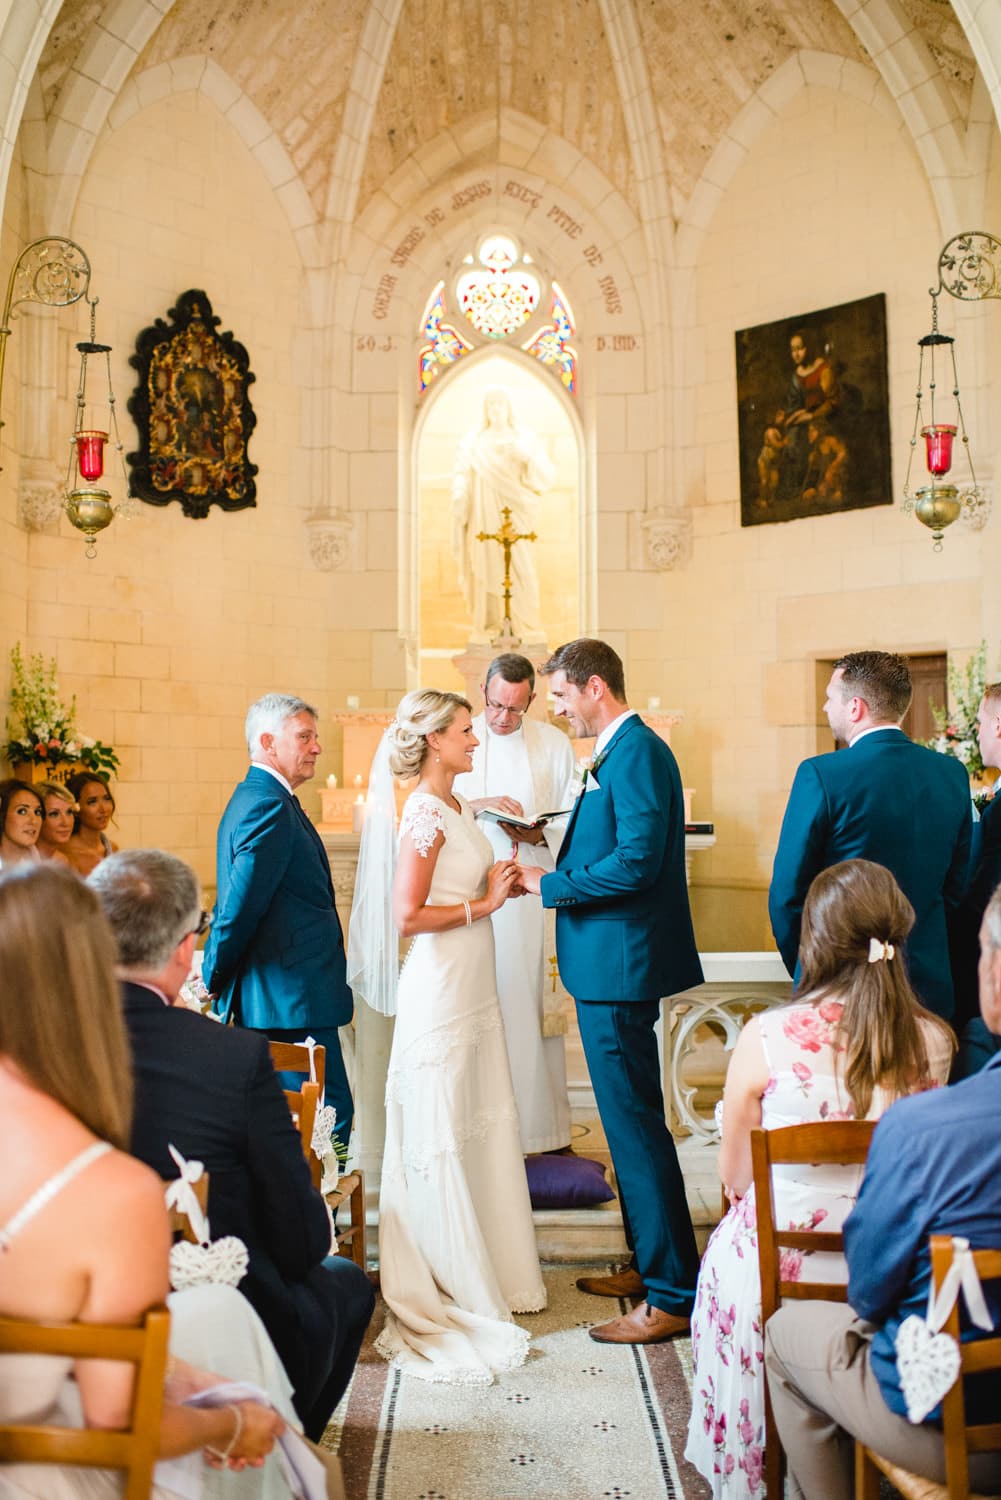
pixel 269 713
pixel 991 929
pixel 152 900
pixel 510 667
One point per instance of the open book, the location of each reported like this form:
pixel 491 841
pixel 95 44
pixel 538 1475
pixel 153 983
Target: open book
pixel 539 821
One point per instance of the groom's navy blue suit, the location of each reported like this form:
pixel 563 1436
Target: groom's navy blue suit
pixel 624 940
pixel 275 956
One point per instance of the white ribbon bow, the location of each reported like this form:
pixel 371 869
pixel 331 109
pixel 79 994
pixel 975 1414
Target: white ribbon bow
pixel 878 950
pixel 928 1362
pixel 181 1195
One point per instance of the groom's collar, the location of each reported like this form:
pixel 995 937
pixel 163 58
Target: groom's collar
pixel 610 730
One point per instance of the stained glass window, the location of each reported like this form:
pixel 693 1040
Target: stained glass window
pixel 446 343
pixel 552 344
pixel 499 295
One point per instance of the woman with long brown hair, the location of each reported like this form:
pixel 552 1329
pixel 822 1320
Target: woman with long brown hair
pixel 95 810
pixel 83 1226
pixel 854 1039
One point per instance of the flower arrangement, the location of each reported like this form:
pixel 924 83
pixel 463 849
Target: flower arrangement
pixel 957 725
pixel 41 730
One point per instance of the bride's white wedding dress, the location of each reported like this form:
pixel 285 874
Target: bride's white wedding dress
pixel 457 1249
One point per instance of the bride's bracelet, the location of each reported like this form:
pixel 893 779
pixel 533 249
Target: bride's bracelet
pixel 237 1433
pixel 469 915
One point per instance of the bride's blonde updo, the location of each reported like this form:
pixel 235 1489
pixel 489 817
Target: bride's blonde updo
pixel 423 712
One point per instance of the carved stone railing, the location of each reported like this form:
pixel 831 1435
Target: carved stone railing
pixel 737 985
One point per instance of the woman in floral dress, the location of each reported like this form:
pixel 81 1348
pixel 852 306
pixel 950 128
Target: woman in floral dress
pixel 855 1039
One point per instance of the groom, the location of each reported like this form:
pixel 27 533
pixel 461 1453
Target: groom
pixel 624 939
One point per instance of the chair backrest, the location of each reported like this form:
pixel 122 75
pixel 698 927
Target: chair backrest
pixel 293 1057
pixel 977 1357
pixel 822 1143
pixel 180 1224
pixel 135 1449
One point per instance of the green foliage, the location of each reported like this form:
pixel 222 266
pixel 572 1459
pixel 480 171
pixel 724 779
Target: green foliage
pixel 40 728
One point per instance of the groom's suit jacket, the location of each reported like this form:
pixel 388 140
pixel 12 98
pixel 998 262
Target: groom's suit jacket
pixel 964 923
pixel 275 954
pixel 898 804
pixel 623 924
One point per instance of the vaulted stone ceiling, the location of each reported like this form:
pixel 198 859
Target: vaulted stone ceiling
pixel 550 59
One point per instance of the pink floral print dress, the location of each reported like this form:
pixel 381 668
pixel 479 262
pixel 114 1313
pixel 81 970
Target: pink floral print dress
pixel 726 1431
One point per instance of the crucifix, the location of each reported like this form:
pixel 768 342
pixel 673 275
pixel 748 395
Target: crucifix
pixel 506 536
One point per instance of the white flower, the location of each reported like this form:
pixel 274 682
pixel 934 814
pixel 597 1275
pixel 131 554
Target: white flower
pixel 964 751
pixel 71 748
pixel 86 741
pixel 43 731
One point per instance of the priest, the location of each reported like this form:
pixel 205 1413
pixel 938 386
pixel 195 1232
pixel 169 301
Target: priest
pixel 524 767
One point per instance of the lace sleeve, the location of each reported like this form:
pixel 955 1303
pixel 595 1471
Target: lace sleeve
pixel 423 820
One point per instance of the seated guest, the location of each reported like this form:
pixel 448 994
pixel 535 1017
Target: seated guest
pixel 934 1168
pixel 57 824
pixel 90 843
pixel 85 1234
pixel 854 1039
pixel 22 813
pixel 212 1092
pixel 976 1043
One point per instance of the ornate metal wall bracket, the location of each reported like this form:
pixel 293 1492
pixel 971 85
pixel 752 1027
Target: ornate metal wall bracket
pixel 969 267
pixel 51 272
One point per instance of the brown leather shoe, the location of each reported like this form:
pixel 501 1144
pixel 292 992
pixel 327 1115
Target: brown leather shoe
pixel 644 1325
pixel 627 1283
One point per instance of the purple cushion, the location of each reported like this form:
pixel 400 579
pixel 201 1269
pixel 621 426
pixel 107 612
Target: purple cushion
pixel 566 1182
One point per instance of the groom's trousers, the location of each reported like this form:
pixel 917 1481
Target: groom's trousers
pixel 620 1045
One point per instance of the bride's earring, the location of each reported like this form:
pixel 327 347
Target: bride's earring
pixel 437 759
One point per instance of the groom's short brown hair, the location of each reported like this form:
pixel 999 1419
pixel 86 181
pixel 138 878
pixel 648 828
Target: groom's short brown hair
pixel 585 658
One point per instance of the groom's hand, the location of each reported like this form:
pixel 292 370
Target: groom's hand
pixel 529 877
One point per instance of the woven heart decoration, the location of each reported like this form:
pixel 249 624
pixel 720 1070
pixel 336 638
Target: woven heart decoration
pixel 928 1365
pixel 323 1129
pixel 221 1262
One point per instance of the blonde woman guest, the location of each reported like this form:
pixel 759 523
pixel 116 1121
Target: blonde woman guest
pixel 57 824
pixel 457 1250
pixel 854 1040
pixel 90 843
pixel 83 1225
pixel 22 813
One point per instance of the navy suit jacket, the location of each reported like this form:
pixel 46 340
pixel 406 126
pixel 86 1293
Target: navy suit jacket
pixel 212 1092
pixel 964 924
pixel 275 954
pixel 623 923
pixel 934 1167
pixel 898 804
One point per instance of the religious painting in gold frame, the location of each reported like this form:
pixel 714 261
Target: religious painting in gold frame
pixel 192 408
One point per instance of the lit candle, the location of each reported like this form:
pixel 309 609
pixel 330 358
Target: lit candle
pixel 358 783
pixel 332 781
pixel 653 703
pixel 358 813
pixel 354 701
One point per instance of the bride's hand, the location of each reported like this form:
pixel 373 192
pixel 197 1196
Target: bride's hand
pixel 500 879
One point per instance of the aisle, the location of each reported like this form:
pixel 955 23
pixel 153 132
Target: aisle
pixel 579 1421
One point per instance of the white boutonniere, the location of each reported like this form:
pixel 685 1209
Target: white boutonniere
pixel 585 768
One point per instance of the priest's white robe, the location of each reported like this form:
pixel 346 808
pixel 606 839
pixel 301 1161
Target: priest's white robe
pixel 535 765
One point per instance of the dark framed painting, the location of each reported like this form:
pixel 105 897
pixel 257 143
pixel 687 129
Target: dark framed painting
pixel 192 408
pixel 813 413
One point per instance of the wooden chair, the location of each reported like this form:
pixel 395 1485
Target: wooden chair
pixel 960 1437
pixel 180 1224
pixel 293 1057
pixel 825 1143
pixel 135 1449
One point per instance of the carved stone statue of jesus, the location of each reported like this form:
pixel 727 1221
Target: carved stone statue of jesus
pixel 498 464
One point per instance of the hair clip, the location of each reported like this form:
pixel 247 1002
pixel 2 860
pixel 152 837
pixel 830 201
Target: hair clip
pixel 878 950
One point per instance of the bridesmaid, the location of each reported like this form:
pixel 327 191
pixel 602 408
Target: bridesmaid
pixel 90 843
pixel 22 813
pixel 57 825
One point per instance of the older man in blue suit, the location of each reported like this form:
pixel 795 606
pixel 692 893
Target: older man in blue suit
pixel 275 957
pixel 624 939
pixel 885 799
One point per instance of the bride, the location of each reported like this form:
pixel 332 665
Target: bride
pixel 457 1249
